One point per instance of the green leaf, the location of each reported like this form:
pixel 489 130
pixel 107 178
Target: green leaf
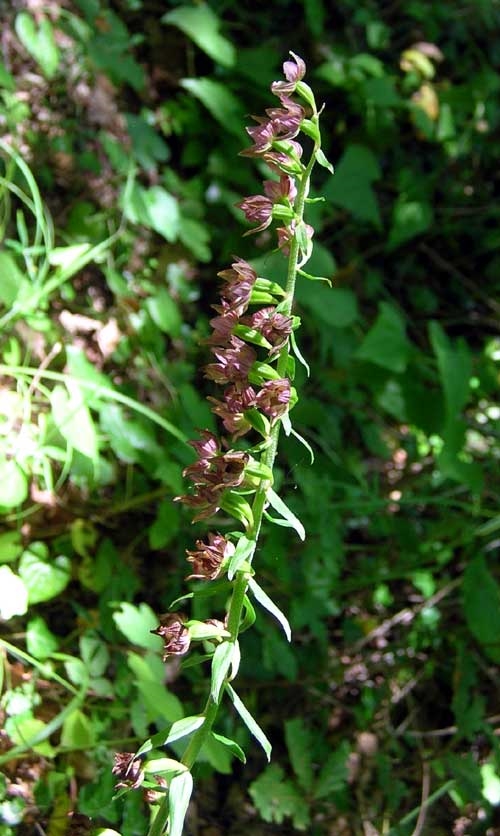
pixel 40 641
pixel 78 731
pixel 178 730
pixel 482 606
pixel 11 546
pixel 238 507
pixel 244 549
pixel 351 188
pixel 202 25
pixel 455 369
pixel 221 663
pixel 6 79
pixel 288 516
pixel 409 219
pixel 73 419
pixel 276 798
pixel 155 208
pixel 39 41
pixel 136 623
pixel 13 484
pixel 266 602
pixel 251 724
pixel 12 279
pixel 44 578
pixel 179 794
pixel 13 594
pixel 323 161
pixel 337 306
pixel 218 100
pixel 164 312
pixel 232 745
pixel 334 774
pixel 148 147
pixel 386 343
pixel 299 744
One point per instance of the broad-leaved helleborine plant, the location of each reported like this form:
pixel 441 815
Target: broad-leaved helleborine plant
pixel 252 344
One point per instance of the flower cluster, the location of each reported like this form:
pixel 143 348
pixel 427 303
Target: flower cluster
pixel 249 340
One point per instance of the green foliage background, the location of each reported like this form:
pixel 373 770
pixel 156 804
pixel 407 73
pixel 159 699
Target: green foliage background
pixel 119 165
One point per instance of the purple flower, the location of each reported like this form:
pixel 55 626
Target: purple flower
pixel 287 233
pixel 274 397
pixel 223 324
pixel 174 634
pixel 239 282
pixel 234 363
pixel 274 326
pixel 294 71
pixel 281 190
pixel 237 399
pixel 286 120
pixel 128 769
pixel 207 558
pixel 257 209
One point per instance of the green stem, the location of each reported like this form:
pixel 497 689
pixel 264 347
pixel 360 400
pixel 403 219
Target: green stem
pixel 240 584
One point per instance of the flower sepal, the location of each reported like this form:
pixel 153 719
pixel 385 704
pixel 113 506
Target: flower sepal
pixel 251 335
pixel 201 630
pixel 304 91
pixel 260 372
pixel 258 421
pixel 269 287
pixel 236 506
pixel 283 213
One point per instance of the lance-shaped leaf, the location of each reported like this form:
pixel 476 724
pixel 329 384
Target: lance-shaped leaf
pixel 221 662
pixel 178 730
pixel 232 745
pixel 244 549
pixel 179 794
pixel 269 605
pixel 288 517
pixel 251 724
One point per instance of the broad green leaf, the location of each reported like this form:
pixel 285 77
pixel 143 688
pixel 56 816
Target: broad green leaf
pixel 159 702
pixel 335 306
pixel 44 577
pixel 386 343
pixel 13 484
pixel 155 208
pixel 78 731
pixel 482 606
pixel 164 312
pixel 202 25
pixel 179 794
pixel 40 641
pixel 148 147
pixel 11 546
pixel 288 516
pixel 455 369
pixel 299 744
pixel 218 100
pixel 6 79
pixel 73 419
pixel 39 41
pixel 13 594
pixel 351 188
pixel 221 663
pixel 491 783
pixel 232 745
pixel 136 624
pixel 334 774
pixel 31 733
pixel 266 602
pixel 251 724
pixel 409 219
pixel 277 798
pixel 11 279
